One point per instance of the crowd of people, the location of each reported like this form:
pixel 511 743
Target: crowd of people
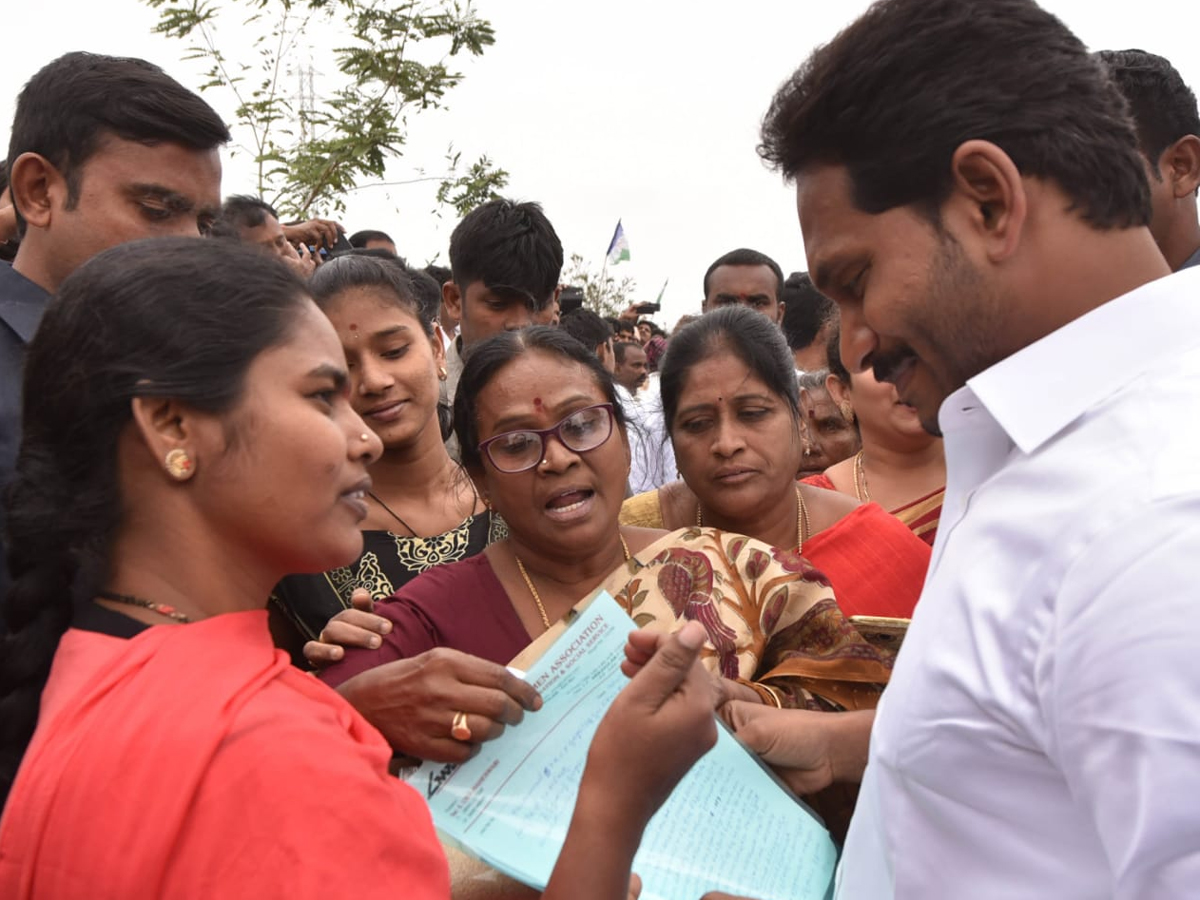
pixel 280 508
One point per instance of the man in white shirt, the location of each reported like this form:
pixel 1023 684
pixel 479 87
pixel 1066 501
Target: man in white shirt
pixel 971 196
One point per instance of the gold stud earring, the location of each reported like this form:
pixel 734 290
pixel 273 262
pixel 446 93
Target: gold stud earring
pixel 179 464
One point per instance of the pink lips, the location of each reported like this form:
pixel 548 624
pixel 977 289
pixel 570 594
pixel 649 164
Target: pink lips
pixel 388 413
pixel 570 505
pixel 733 476
pixel 356 497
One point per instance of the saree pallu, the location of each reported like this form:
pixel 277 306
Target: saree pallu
pixel 772 620
pixel 876 565
pixel 921 516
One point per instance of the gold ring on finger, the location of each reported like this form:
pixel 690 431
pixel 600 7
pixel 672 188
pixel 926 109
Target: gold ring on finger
pixel 459 729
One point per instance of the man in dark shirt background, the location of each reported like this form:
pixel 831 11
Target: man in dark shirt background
pixel 103 150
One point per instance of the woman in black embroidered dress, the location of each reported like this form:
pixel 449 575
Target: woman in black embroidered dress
pixel 424 511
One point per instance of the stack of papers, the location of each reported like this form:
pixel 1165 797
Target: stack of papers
pixel 728 826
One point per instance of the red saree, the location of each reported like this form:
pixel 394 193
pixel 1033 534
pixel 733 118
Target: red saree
pixel 195 762
pixel 876 565
pixel 921 516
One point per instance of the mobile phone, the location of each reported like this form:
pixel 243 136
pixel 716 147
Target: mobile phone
pixel 647 308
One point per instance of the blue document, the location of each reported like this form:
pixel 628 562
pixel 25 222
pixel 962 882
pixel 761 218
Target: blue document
pixel 728 826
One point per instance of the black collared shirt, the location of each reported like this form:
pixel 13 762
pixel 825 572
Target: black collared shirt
pixel 21 306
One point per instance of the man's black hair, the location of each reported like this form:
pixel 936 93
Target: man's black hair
pixel 511 248
pixel 241 211
pixel 360 239
pixel 620 347
pixel 586 327
pixel 806 311
pixel 74 103
pixel 894 95
pixel 744 256
pixel 440 274
pixel 428 291
pixel 1162 105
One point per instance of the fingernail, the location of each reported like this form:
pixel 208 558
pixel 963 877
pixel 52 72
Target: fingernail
pixel 336 653
pixel 692 635
pixel 373 642
pixel 386 627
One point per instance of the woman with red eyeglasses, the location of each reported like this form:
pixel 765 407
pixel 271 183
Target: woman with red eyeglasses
pixel 545 442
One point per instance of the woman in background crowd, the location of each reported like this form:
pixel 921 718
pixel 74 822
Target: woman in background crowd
pixel 901 466
pixel 828 431
pixel 423 510
pixel 732 409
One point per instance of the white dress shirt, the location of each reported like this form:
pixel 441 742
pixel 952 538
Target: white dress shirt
pixel 1040 737
pixel 652 458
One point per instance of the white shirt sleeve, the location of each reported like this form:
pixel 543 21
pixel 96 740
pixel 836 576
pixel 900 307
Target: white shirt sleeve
pixel 1119 685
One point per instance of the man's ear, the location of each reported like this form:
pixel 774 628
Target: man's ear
pixel 1181 164
pixel 165 425
pixel 779 314
pixel 452 298
pixel 990 194
pixel 37 189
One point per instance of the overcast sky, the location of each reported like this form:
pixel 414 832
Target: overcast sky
pixel 622 109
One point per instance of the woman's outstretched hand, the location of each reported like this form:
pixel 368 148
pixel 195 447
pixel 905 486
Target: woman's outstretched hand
pixel 357 626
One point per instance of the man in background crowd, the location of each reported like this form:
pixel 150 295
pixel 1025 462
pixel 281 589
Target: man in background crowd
pixel 591 331
pixel 630 371
pixel 103 150
pixel 746 277
pixel 808 317
pixel 1168 127
pixel 372 240
pixel 251 220
pixel 505 260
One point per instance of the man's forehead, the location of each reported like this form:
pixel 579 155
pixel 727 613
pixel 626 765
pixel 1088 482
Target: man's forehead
pixel 185 175
pixel 734 276
pixel 828 217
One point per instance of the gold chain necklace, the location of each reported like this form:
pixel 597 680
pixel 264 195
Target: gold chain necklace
pixel 802 529
pixel 537 597
pixel 860 479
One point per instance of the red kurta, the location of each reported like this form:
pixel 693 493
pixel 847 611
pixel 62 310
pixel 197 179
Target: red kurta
pixel 195 762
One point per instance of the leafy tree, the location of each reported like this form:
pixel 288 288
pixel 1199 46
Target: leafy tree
pixel 602 293
pixel 310 150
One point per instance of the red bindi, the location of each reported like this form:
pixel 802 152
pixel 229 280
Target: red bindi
pixel 537 401
pixel 353 327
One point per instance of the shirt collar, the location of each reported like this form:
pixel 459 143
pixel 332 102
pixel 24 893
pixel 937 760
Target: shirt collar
pixel 1193 260
pixel 1040 390
pixel 21 302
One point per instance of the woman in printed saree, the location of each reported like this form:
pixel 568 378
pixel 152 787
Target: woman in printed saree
pixel 543 436
pixel 423 510
pixel 732 410
pixel 188 438
pixel 900 466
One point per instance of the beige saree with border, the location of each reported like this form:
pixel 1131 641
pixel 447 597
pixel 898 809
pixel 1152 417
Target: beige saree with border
pixel 771 618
